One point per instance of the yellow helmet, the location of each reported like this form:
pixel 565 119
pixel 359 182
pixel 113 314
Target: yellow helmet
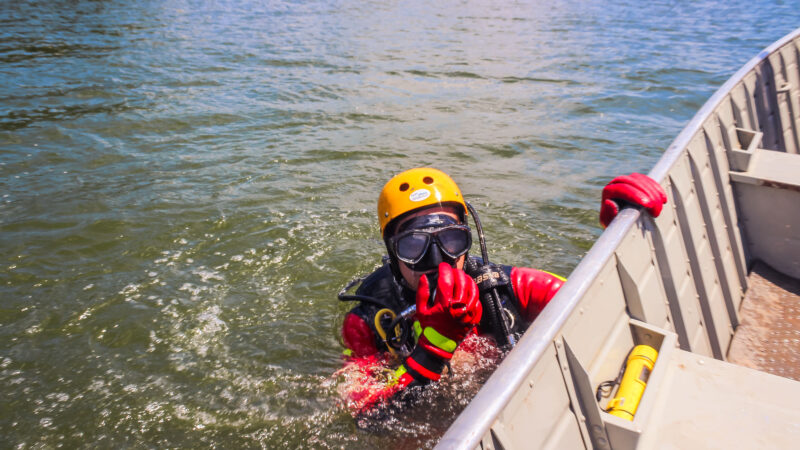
pixel 415 189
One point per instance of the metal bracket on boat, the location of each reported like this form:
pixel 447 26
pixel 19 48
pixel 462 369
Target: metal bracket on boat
pixel 748 142
pixel 497 439
pixel 581 395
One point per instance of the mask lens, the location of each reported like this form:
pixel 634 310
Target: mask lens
pixel 454 241
pixel 411 247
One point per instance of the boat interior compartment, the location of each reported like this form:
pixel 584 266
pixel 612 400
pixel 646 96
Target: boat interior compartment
pixel 681 331
pixel 768 198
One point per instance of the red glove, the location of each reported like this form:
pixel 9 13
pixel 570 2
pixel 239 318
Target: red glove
pixel 534 289
pixel 455 311
pixel 456 308
pixel 636 189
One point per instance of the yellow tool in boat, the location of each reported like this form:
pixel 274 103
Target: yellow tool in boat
pixel 640 364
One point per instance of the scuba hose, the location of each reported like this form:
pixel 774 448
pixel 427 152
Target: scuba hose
pixel 345 297
pixel 382 332
pixel 491 299
pixel 400 329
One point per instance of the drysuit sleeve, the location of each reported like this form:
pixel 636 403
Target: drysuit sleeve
pixel 534 289
pixel 359 339
pixel 371 381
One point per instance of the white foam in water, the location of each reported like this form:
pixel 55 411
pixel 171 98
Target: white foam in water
pixel 130 289
pixel 452 392
pixel 206 274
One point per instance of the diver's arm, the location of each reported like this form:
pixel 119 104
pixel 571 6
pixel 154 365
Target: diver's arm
pixel 358 338
pixel 453 314
pixel 534 289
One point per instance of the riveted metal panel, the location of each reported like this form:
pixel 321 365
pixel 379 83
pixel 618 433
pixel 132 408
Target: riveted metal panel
pixel 733 243
pixel 784 66
pixel 738 101
pixel 696 209
pixel 693 336
pixel 743 109
pixel 791 54
pixel 525 423
pixel 723 264
pixel 705 403
pixel 696 244
pixel 596 314
pixel 783 91
pixel 749 87
pixel 641 285
pixel 565 435
pixel 727 124
pixel 766 104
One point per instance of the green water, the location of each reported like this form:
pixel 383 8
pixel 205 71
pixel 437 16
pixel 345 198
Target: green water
pixel 185 186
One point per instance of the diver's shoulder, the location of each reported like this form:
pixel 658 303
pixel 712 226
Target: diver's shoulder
pixel 380 279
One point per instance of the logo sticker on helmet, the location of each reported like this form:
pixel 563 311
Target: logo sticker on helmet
pixel 419 195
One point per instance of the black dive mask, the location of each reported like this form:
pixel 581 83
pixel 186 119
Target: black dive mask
pixel 426 241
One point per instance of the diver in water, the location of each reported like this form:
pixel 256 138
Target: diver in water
pixel 430 294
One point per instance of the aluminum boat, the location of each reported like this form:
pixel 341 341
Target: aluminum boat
pixel 711 285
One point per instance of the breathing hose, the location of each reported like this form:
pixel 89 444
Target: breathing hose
pixel 491 300
pixel 379 327
pixel 345 297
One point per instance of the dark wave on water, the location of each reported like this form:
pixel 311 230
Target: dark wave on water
pixel 186 186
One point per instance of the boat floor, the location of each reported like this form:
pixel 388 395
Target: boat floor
pixel 768 336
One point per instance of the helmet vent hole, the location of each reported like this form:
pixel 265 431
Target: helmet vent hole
pixel 403 187
pixel 427 180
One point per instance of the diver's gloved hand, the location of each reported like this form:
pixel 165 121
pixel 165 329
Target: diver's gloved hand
pixel 456 309
pixel 634 189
